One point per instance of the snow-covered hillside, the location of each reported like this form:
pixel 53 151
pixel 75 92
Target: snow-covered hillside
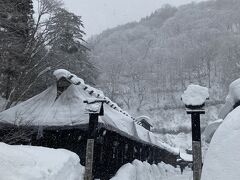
pixel 38 163
pixel 148 64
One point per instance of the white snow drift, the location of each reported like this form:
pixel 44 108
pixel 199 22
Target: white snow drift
pixel 210 130
pixel 222 160
pixel 232 98
pixel 195 95
pixel 138 170
pixel 37 163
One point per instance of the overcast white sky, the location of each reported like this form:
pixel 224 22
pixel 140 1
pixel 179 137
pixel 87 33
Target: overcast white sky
pixel 98 15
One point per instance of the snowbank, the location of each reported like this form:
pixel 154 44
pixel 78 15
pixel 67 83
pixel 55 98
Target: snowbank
pixel 195 95
pixel 38 163
pixel 143 171
pixel 222 160
pixel 232 98
pixel 234 93
pixel 210 130
pixel 186 157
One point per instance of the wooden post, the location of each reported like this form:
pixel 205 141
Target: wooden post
pixel 196 143
pixel 92 129
pixel 89 159
pixel 93 122
pixel 194 98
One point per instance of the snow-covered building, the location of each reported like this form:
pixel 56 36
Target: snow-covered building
pixel 145 122
pixel 58 119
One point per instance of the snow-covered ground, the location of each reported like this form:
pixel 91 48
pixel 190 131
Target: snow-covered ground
pixel 138 170
pixel 181 140
pixel 178 120
pixel 38 163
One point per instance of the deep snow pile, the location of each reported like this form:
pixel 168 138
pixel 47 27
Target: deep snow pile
pixel 223 158
pixel 38 163
pixel 234 94
pixel 195 95
pixel 210 130
pixel 232 98
pixel 138 170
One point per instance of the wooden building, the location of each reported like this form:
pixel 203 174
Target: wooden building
pixel 145 122
pixel 56 118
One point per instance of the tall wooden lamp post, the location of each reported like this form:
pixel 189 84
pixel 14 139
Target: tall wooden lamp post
pixel 94 107
pixel 194 99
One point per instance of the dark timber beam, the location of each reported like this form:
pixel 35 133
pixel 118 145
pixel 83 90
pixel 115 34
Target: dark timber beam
pixel 92 129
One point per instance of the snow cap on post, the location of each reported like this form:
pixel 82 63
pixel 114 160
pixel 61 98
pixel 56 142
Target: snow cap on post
pixel 195 96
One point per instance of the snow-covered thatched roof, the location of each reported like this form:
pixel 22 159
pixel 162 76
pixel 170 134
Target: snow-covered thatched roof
pixel 145 119
pixel 49 109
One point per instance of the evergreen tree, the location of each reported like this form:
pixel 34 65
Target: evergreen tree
pixel 68 49
pixel 16 23
pixel 29 49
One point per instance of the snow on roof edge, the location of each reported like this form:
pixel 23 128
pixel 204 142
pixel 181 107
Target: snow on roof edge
pixel 74 79
pixel 64 73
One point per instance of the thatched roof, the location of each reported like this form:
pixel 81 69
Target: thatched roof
pixel 49 109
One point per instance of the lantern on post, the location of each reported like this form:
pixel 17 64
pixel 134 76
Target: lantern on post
pixel 94 107
pixel 194 99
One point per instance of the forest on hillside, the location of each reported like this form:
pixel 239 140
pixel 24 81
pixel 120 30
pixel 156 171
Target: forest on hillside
pixel 146 65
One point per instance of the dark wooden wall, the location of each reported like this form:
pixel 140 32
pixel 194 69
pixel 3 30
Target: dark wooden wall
pixel 111 149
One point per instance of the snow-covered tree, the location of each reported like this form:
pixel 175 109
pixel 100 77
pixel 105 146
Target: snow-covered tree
pixel 68 50
pixel 16 25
